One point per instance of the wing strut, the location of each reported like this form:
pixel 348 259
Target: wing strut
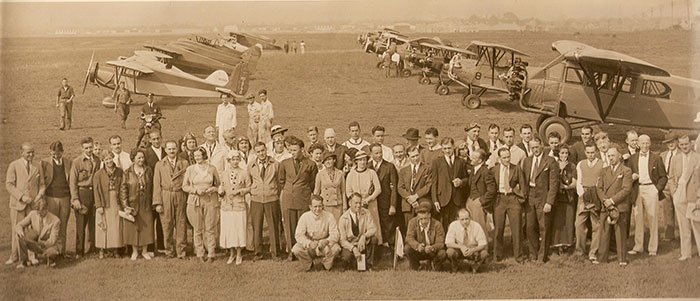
pixel 594 84
pixel 618 88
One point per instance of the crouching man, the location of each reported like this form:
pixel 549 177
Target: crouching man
pixel 466 242
pixel 38 234
pixel 357 231
pixel 317 236
pixel 425 239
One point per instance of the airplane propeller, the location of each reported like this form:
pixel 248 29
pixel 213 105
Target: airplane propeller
pixel 87 74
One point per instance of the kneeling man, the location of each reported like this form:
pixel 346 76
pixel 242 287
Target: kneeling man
pixel 317 236
pixel 466 242
pixel 425 239
pixel 357 231
pixel 38 234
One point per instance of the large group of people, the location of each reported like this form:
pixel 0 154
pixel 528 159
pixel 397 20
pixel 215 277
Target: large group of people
pixel 444 204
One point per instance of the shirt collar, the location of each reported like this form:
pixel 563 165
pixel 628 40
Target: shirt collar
pixel 58 162
pixel 87 157
pixel 414 166
pixel 424 228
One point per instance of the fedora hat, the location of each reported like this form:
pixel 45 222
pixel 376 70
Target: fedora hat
pixel 411 134
pixel 327 155
pixel 669 137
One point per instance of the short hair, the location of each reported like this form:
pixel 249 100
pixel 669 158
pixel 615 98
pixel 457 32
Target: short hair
pixel 260 143
pixel 614 146
pixel 316 197
pixel 464 210
pixel 154 131
pixel 262 91
pixel 600 135
pixel 136 151
pixel 106 152
pixel 590 145
pixel 509 129
pixel 554 135
pixel 684 137
pixel 503 149
pixel 525 126
pixel 482 154
pixel 378 128
pixel 312 129
pixel 355 195
pixel 565 146
pixel 354 123
pixel 587 127
pixel 315 147
pixel 64 79
pixel 432 131
pixel 56 146
pixel 630 132
pixel 41 204
pixel 114 137
pixel 171 141
pixel 399 144
pixel 494 126
pixel 447 140
pixel 373 145
pixel 86 140
pixel 202 150
pixel 293 140
pixel 536 139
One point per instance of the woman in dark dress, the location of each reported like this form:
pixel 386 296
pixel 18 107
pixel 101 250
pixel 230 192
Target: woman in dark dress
pixel 136 197
pixel 565 205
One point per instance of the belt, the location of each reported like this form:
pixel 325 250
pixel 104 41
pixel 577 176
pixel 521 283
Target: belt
pixel 646 184
pixel 506 193
pixel 85 187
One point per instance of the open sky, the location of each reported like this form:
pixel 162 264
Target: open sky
pixel 49 15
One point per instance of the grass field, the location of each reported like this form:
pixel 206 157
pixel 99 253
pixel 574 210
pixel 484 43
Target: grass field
pixel 330 86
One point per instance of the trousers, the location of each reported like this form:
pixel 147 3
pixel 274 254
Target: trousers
pixel 83 221
pixel 507 205
pixel 174 221
pixel 647 204
pixel 270 212
pixel 60 207
pixel 582 231
pixel 204 219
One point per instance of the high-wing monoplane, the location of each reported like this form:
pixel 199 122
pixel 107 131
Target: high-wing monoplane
pixel 250 40
pixel 588 85
pixel 151 72
pixel 495 68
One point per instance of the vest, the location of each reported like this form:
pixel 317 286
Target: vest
pixel 590 175
pixel 59 185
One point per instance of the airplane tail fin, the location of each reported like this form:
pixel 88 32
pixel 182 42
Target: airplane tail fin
pixel 218 78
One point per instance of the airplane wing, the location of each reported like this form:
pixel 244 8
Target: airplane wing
pixel 455 49
pixel 611 60
pixel 130 65
pixel 164 49
pixel 417 41
pixel 152 54
pixel 565 46
pixel 497 46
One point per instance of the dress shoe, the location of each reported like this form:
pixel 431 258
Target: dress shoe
pixel 683 258
pixel 290 257
pixel 34 261
pixel 204 259
pixel 151 254
pixel 10 261
pixel 623 264
pixel 652 253
pixel 595 261
pixel 633 252
pixel 20 266
pixel 210 260
pixel 239 260
pixel 230 260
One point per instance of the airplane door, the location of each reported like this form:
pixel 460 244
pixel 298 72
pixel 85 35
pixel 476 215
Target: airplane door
pixel 624 109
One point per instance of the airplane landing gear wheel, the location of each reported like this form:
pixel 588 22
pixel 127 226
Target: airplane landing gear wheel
pixel 555 124
pixel 443 90
pixel 424 80
pixel 540 119
pixel 406 72
pixel 471 101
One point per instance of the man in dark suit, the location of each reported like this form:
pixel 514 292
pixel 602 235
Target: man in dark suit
pixel 614 187
pixel 388 200
pixel 147 109
pixel 482 188
pixel 333 147
pixel 450 183
pixel 525 137
pixel 649 180
pixel 578 149
pixel 425 239
pixel 473 140
pixel 542 178
pixel 155 153
pixel 414 185
pixel 511 189
pixel 297 176
pixel 632 147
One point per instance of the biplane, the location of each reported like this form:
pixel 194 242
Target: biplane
pixel 202 56
pixel 495 68
pixel 415 48
pixel 250 40
pixel 151 72
pixel 588 85
pixel 434 61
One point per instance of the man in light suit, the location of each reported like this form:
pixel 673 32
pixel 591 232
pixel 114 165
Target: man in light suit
pixel 414 185
pixel 264 199
pixel 450 183
pixel 684 183
pixel 37 233
pixel 297 177
pixel 56 174
pixel 614 187
pixel 542 178
pixel 649 180
pixel 25 184
pixel 511 189
pixel 169 201
pixel 387 201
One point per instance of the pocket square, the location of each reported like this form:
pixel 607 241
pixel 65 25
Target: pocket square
pixel 619 177
pixel 546 169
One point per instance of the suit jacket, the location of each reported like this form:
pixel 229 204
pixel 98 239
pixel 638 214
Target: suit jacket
pixel 626 153
pixel 482 185
pixel 427 156
pixel 421 185
pixel 516 181
pixel 546 180
pixel 436 234
pixel 617 186
pixel 167 181
pixel 483 145
pixel 657 173
pixel 100 186
pixel 297 185
pixel 146 109
pixel 694 175
pixel 365 224
pixel 443 191
pixel 48 233
pixel 521 145
pixel 19 183
pixel 264 188
pixel 577 152
pixel 388 178
pixel 152 158
pixel 339 151
pixel 47 169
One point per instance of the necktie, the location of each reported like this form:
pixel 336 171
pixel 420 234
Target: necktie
pixel 296 165
pixel 503 179
pixel 668 162
pixel 262 169
pixel 119 161
pixel 427 238
pixel 414 171
pixel 465 240
pixel 28 167
pixel 535 165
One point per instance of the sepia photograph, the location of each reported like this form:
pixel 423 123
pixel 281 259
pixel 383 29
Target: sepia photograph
pixel 349 149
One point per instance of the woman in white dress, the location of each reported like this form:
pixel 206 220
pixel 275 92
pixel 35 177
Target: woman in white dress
pixel 235 187
pixel 106 187
pixel 365 182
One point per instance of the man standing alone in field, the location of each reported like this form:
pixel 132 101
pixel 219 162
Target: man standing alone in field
pixel 64 103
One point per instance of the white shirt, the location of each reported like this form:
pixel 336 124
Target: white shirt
pixel 424 230
pixel 210 148
pixel 225 117
pixel 604 157
pixel 472 145
pixel 475 235
pixel 254 112
pixel 504 177
pixel 376 165
pixel 667 160
pixel 122 160
pixel 536 160
pixel 517 155
pixel 387 153
pixel 357 144
pixel 450 160
pixel 267 111
pixel 158 151
pixel 644 177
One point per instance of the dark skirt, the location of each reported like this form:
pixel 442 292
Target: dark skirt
pixel 564 214
pixel 140 232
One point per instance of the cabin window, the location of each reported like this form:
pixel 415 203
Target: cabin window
pixel 656 89
pixel 574 76
pixel 626 85
pixel 601 79
pixel 555 72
